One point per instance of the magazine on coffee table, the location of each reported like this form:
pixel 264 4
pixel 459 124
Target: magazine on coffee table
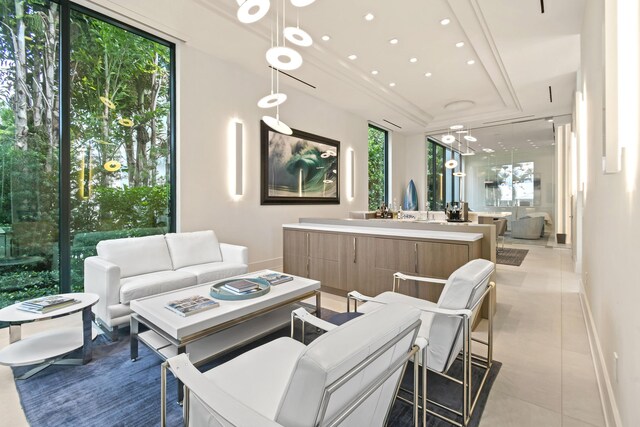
pixel 276 278
pixel 191 305
pixel 46 304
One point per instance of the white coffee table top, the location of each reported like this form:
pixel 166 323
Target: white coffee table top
pixel 11 313
pixel 153 308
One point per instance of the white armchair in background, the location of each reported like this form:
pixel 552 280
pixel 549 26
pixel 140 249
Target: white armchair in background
pixel 446 326
pixel 348 376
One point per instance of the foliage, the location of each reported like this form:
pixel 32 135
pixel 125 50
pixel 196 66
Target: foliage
pixel 377 167
pixel 120 104
pixel 23 285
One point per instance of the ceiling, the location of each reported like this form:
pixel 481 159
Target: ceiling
pixel 518 53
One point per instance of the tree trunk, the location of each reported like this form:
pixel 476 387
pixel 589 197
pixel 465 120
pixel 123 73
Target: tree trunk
pixel 51 115
pixel 21 87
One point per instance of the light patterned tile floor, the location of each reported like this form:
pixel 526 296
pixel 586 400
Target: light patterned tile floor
pixel 547 378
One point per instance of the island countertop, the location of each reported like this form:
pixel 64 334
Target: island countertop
pixel 387 232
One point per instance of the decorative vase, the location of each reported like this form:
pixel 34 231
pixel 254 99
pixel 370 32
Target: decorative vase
pixel 410 202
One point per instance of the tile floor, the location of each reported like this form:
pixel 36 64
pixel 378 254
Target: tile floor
pixel 547 377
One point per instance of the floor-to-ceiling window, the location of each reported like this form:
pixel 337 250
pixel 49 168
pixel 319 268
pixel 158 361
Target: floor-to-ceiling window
pixel 442 185
pixel 378 166
pixel 86 141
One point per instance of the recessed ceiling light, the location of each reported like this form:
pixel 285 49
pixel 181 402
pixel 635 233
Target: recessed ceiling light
pixel 471 62
pixel 456 127
pixel 459 44
pixel 374 72
pixel 427 74
pixel 326 38
pixel 413 60
pixel 393 41
pixel 445 21
pixel 353 57
pixel 488 150
pixel 369 17
pixel 528 140
pixel 550 120
pixel 392 84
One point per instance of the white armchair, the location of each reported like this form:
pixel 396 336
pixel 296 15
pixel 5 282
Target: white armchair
pixel 348 376
pixel 446 326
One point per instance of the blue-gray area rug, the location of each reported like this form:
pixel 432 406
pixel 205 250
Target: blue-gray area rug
pixel 112 390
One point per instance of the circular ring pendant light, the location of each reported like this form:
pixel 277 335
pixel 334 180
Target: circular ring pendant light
pixel 277 125
pixel 456 127
pixel 297 36
pixel 460 174
pixel 275 55
pixel 448 139
pixel 301 3
pixel 451 164
pixel 251 11
pixel 470 138
pixel 272 100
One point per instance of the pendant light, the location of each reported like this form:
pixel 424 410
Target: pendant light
pixel 251 11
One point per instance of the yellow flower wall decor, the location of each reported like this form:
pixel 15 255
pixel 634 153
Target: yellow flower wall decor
pixel 112 166
pixel 108 103
pixel 126 122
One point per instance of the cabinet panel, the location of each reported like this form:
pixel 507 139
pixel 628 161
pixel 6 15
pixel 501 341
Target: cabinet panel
pixel 295 242
pixel 438 260
pixel 324 246
pixel 357 256
pixel 326 271
pixel 396 255
pixel 295 264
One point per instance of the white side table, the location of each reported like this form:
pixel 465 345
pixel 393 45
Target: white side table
pixel 48 348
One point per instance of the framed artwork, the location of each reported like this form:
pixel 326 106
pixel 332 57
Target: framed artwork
pixel 301 168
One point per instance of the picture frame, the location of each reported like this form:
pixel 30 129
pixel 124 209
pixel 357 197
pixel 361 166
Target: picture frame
pixel 301 168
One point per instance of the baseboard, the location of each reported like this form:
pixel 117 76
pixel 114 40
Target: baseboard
pixel 268 264
pixel 609 405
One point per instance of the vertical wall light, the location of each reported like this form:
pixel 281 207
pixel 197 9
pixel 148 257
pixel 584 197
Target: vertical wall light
pixel 239 140
pixel 351 174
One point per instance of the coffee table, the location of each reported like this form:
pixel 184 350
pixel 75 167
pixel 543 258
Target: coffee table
pixel 211 333
pixel 49 347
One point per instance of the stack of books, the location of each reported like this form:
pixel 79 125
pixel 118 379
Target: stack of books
pixel 191 305
pixel 241 287
pixel 46 304
pixel 276 278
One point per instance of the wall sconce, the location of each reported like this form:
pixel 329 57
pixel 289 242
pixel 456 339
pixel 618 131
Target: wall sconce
pixel 239 139
pixel 351 166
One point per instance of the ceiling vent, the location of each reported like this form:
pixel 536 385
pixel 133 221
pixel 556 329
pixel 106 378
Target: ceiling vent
pixel 391 123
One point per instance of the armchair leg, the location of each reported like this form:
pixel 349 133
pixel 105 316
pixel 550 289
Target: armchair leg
pixel 424 386
pixel 109 332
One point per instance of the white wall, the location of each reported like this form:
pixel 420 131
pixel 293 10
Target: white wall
pixel 611 232
pixel 408 163
pixel 211 94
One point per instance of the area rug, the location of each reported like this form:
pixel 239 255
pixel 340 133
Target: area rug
pixel 511 256
pixel 114 391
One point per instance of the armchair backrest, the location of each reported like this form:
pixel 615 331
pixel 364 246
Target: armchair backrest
pixel 463 289
pixel 327 377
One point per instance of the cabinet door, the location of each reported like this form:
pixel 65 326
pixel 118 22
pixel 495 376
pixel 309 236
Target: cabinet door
pixel 295 253
pixel 396 255
pixel 438 260
pixel 357 255
pixel 324 259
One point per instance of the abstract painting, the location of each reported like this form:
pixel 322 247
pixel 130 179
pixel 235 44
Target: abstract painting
pixel 301 168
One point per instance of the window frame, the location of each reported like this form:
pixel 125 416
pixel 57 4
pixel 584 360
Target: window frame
pixel 386 161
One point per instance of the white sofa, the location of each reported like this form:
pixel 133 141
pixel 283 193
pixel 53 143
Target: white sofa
pixel 137 267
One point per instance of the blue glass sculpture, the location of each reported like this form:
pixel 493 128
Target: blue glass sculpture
pixel 410 202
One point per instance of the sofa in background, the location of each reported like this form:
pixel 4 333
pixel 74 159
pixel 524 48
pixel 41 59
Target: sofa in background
pixel 137 267
pixel 528 228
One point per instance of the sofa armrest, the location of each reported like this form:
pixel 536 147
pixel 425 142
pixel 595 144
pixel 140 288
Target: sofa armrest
pixel 103 278
pixel 234 253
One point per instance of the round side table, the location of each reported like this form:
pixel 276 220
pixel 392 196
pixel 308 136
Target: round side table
pixel 49 347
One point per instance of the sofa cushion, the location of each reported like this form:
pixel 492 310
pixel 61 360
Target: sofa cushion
pixel 215 271
pixel 136 255
pixel 148 284
pixel 194 248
